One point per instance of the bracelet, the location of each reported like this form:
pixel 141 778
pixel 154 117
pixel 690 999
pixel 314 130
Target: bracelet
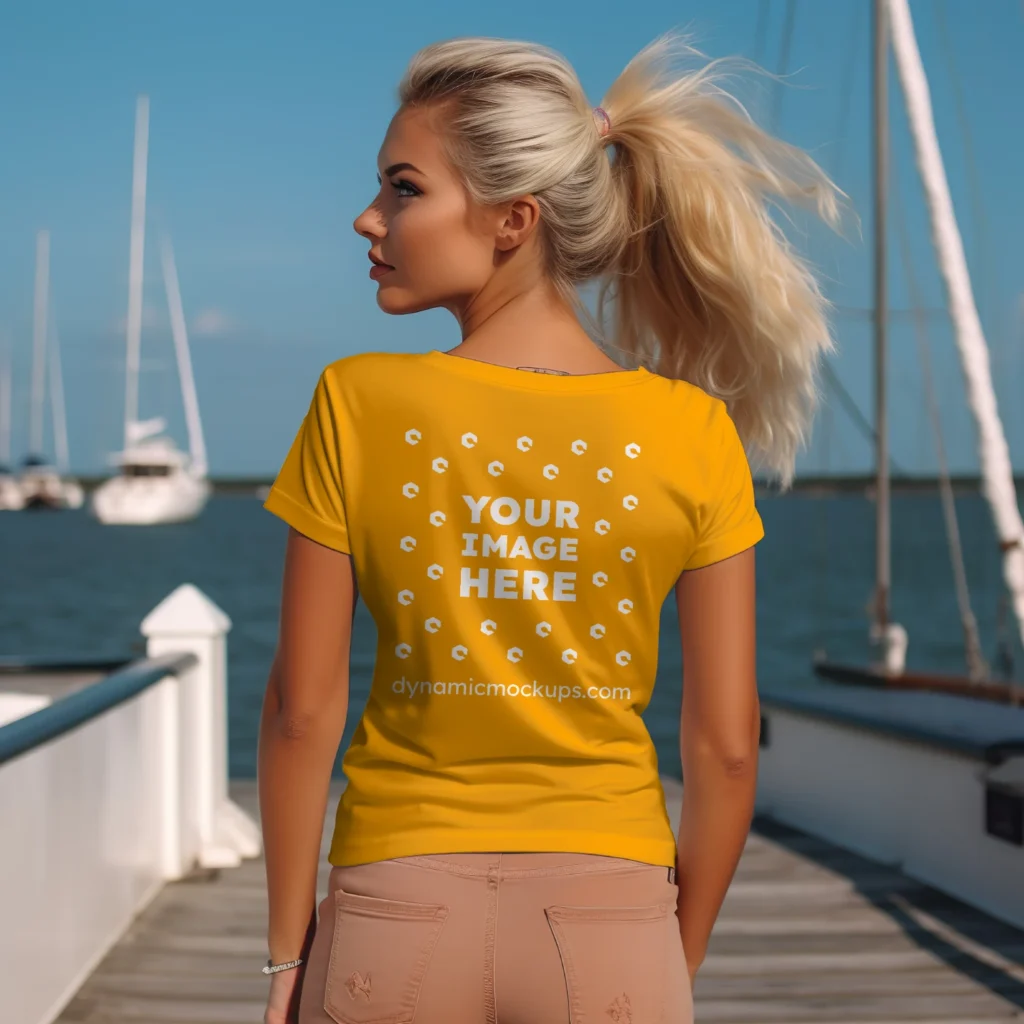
pixel 273 969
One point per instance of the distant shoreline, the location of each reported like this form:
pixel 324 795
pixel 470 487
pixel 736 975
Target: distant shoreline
pixel 865 485
pixel 814 485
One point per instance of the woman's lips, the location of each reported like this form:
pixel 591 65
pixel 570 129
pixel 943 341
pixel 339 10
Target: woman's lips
pixel 379 268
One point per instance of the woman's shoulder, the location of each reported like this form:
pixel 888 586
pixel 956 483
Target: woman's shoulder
pixel 371 367
pixel 698 407
pixel 365 379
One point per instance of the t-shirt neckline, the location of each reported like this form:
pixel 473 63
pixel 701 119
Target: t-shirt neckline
pixel 496 373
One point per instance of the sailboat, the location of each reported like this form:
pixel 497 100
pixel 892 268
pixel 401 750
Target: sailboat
pixel 892 19
pixel 11 499
pixel 156 482
pixel 43 485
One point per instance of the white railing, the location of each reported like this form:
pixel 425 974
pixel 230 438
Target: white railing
pixel 107 794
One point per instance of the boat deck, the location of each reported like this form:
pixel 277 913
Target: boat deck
pixel 808 933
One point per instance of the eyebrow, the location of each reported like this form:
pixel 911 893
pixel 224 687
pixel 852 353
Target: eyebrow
pixel 395 168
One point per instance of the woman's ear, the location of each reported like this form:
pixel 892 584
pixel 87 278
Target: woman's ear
pixel 521 219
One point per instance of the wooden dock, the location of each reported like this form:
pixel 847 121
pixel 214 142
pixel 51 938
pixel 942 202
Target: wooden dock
pixel 809 933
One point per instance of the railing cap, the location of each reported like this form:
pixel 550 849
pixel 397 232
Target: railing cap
pixel 187 611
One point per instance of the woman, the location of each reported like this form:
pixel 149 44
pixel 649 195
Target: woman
pixel 514 512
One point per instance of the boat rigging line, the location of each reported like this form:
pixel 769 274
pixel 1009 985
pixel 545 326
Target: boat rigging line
pixel 977 669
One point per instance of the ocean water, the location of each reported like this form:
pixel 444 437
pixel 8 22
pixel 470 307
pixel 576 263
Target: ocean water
pixel 70 587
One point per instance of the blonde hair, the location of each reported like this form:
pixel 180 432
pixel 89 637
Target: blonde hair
pixel 677 227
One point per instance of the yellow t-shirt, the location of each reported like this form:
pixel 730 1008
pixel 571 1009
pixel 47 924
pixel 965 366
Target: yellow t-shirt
pixel 514 535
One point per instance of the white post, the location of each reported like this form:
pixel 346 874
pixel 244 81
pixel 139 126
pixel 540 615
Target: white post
pixel 187 620
pixel 176 851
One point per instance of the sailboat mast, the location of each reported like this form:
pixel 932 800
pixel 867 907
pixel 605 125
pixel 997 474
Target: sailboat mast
pixel 5 404
pixel 138 239
pixel 993 450
pixel 35 444
pixel 197 446
pixel 881 315
pixel 57 409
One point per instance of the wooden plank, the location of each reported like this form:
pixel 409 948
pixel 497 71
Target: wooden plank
pixel 108 1010
pixel 867 1008
pixel 935 981
pixel 760 962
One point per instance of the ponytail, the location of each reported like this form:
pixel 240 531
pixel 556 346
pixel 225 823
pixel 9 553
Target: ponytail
pixel 707 288
pixel 675 222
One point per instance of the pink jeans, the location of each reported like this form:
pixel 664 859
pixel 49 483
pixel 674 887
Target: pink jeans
pixel 498 938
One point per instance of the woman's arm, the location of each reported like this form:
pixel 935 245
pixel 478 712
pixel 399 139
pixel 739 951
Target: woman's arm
pixel 718 739
pixel 303 718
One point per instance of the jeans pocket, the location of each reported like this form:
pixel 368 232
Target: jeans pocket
pixel 379 956
pixel 614 961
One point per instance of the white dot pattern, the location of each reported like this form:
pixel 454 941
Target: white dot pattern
pixel 598 631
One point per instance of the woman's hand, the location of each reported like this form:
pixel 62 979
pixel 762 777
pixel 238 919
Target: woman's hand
pixel 283 1000
pixel 691 969
pixel 693 959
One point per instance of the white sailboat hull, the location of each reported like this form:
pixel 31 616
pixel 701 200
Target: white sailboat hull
pixel 11 498
pixel 46 489
pixel 148 501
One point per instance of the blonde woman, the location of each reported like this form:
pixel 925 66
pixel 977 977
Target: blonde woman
pixel 514 512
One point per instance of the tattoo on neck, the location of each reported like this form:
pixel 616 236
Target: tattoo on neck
pixel 541 369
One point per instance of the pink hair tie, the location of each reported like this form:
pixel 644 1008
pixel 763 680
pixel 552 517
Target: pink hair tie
pixel 604 122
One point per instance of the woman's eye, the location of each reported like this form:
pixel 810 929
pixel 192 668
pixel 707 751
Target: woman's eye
pixel 405 188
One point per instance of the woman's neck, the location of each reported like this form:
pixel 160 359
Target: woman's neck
pixel 531 328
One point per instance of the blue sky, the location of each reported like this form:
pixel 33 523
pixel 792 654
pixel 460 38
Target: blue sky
pixel 265 123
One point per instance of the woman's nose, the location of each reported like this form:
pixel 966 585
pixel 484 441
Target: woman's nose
pixel 370 224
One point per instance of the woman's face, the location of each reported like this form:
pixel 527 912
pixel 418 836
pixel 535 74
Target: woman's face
pixel 430 243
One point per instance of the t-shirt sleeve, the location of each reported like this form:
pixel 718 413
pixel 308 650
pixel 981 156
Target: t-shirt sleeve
pixel 729 520
pixel 308 493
